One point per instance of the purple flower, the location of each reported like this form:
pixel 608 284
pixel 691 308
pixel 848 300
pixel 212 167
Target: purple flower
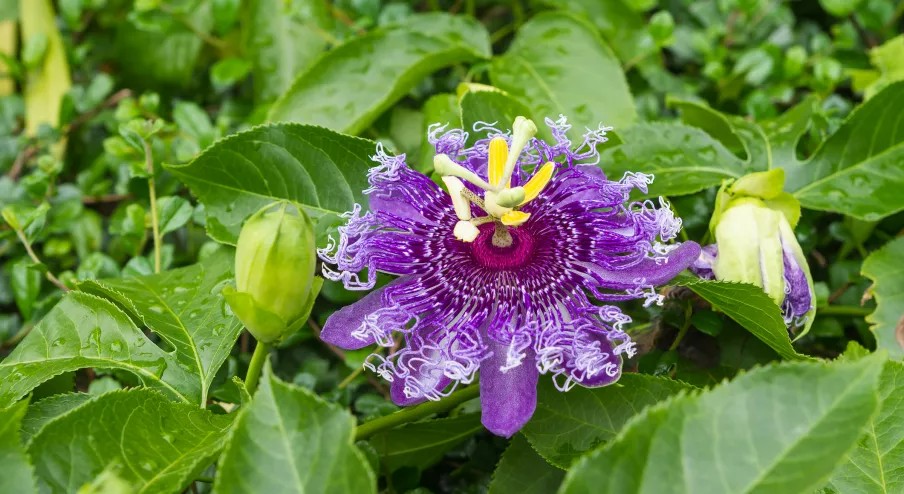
pixel 502 270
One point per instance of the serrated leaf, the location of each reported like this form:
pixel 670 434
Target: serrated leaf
pixel 684 159
pixel 857 171
pixel 283 39
pixel 320 169
pixel 185 308
pixel 290 440
pixel 554 62
pixel 154 444
pixel 521 470
pixel 885 268
pixel 49 409
pixel 18 474
pixel 81 331
pixel 877 463
pixel 749 306
pixel 492 107
pixel 775 430
pixel 350 86
pixel 567 425
pixel 422 444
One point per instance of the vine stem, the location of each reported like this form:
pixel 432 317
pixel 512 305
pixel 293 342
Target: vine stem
pixel 34 257
pixel 152 192
pixel 261 353
pixel 418 412
pixel 844 310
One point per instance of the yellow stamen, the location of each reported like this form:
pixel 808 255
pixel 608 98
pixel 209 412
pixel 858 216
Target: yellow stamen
pixel 497 159
pixel 514 218
pixel 538 182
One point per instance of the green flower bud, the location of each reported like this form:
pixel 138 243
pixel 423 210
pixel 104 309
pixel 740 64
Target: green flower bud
pixel 275 260
pixel 753 226
pixel 750 247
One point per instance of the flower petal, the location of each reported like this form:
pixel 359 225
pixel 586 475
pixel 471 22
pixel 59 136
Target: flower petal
pixel 342 323
pixel 653 274
pixel 508 399
pixel 400 398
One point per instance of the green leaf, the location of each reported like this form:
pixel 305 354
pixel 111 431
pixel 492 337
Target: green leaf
pixel 154 444
pixel 877 463
pixel 521 470
pixel 738 134
pixel 289 440
pixel 229 71
pixel 18 474
pixel 422 444
pixel 840 8
pixel 185 308
pixel 784 132
pixel 555 61
pixel 81 331
pixel 857 171
pixel 885 268
pixel 490 107
pixel 775 430
pixel 49 409
pixel 749 306
pixel 25 281
pixel 173 213
pixel 284 38
pixel 323 171
pixel 194 121
pixel 348 88
pixel 684 159
pixel 168 53
pixel 624 29
pixel 440 109
pixel 567 425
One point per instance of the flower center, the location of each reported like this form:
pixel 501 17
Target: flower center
pixel 502 258
pixel 500 200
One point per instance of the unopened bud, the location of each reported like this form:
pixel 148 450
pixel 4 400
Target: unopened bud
pixel 274 272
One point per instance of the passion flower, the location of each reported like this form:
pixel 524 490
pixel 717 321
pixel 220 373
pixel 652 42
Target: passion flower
pixel 500 271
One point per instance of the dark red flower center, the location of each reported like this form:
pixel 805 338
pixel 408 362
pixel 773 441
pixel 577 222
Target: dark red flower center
pixel 500 258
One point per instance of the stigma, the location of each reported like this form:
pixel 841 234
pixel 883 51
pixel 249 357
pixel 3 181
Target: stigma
pixel 500 201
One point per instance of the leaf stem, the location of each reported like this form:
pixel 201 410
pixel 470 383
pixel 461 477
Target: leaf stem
pixel 844 310
pixel 418 412
pixel 261 353
pixel 682 332
pixel 351 377
pixel 152 192
pixel 34 257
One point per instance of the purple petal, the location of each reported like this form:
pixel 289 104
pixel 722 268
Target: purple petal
pixel 508 399
pixel 342 323
pixel 648 270
pixel 703 266
pixel 798 296
pixel 400 398
pixel 601 366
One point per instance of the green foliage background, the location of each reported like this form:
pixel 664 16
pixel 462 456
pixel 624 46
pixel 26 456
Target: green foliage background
pixel 137 136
